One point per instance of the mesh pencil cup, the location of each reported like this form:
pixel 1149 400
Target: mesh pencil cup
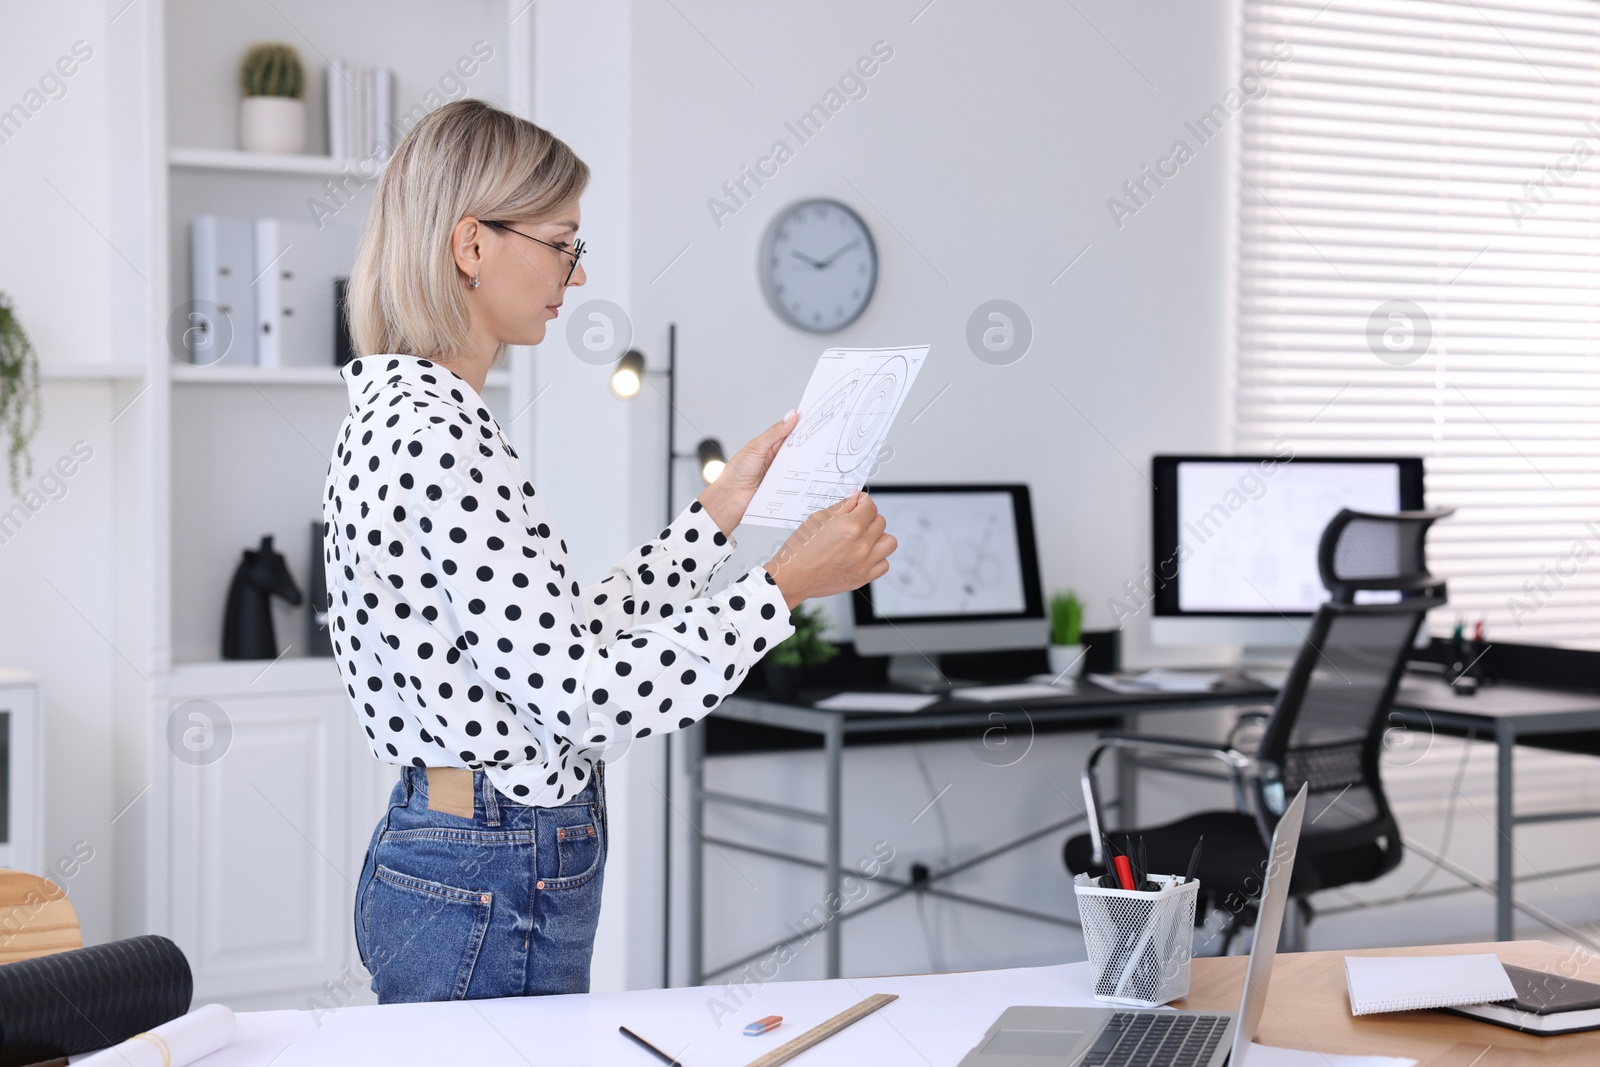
pixel 1139 943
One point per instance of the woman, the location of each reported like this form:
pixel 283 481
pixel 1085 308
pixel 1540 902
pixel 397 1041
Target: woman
pixel 471 654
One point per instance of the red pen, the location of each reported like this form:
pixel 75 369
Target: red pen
pixel 1124 871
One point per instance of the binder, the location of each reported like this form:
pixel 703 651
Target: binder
pixel 296 264
pixel 338 122
pixel 382 146
pixel 221 266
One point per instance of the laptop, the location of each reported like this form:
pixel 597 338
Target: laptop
pixel 1026 1036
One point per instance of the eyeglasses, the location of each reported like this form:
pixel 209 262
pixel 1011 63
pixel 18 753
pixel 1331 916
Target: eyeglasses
pixel 576 251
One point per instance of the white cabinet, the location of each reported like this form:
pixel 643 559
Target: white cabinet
pixel 21 773
pixel 271 795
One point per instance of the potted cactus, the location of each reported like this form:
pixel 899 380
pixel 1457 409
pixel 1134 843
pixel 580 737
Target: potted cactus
pixel 272 112
pixel 19 393
pixel 803 648
pixel 1066 636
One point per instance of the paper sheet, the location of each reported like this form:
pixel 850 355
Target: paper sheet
pixel 1159 680
pixel 877 701
pixel 845 414
pixel 177 1043
pixel 1267 1056
pixel 994 694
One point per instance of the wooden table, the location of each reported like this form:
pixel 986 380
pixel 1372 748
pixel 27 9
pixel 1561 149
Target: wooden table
pixel 1308 1008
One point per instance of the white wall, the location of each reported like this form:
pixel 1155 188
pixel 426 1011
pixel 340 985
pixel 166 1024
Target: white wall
pixel 56 580
pixel 981 157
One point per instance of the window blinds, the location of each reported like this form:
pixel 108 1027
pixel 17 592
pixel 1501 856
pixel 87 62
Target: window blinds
pixel 1419 274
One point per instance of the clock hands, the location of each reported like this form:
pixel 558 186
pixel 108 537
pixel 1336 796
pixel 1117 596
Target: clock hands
pixel 824 264
pixel 840 252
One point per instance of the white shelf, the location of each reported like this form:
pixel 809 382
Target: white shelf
pixel 236 374
pixel 268 163
pixel 255 677
pixel 90 372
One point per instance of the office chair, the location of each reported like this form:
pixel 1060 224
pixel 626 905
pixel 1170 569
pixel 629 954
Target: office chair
pixel 1326 728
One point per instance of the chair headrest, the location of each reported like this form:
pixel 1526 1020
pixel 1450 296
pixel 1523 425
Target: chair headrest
pixel 1365 550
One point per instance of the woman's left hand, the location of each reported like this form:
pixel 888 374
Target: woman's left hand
pixel 728 497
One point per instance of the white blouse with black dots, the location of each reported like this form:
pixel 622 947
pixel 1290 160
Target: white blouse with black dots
pixel 461 637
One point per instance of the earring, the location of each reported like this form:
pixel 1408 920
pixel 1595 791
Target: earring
pixel 472 282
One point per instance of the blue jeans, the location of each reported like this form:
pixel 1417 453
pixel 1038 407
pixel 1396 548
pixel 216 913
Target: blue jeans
pixel 503 904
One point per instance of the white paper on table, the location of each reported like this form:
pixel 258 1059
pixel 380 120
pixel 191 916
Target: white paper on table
pixel 845 413
pixel 172 1044
pixel 877 701
pixel 1268 1056
pixel 1159 680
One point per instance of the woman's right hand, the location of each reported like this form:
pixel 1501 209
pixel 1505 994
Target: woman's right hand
pixel 836 549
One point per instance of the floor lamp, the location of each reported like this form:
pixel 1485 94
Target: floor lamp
pixel 627 382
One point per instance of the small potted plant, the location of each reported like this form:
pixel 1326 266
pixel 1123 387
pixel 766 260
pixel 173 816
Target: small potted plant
pixel 19 393
pixel 272 112
pixel 1066 635
pixel 803 648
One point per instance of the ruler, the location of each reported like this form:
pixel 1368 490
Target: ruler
pixel 824 1030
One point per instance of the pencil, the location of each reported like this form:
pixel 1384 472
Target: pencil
pixel 648 1047
pixel 1194 859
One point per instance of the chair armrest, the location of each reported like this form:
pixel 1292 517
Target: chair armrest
pixel 1238 765
pixel 1247 717
pixel 1173 746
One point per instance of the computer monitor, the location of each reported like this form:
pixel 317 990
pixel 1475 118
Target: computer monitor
pixel 964 577
pixel 1235 540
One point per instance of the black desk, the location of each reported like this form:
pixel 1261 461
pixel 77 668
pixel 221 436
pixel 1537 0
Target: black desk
pixel 1511 715
pixel 998 728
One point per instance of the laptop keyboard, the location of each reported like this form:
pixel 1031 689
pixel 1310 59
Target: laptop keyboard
pixel 1157 1039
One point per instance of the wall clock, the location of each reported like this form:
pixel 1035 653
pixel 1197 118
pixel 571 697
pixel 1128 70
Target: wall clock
pixel 818 265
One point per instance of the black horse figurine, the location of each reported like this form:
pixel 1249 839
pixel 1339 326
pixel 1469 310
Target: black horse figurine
pixel 247 631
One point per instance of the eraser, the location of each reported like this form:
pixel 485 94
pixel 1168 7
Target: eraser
pixel 761 1026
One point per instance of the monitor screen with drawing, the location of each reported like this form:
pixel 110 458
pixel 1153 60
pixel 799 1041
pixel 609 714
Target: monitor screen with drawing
pixel 964 576
pixel 1235 539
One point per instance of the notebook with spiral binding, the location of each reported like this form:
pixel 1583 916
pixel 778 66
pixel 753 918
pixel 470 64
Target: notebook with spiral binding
pixel 1408 983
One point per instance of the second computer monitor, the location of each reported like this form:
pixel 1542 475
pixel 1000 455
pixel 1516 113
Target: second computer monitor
pixel 964 577
pixel 1235 539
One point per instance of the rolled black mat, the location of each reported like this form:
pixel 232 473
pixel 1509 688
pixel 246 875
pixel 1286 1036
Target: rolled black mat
pixel 89 998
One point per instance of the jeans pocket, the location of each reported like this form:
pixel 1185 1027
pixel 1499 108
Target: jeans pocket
pixel 423 937
pixel 570 842
pixel 577 851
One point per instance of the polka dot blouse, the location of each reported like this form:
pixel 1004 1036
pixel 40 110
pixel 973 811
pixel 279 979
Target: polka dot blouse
pixel 462 637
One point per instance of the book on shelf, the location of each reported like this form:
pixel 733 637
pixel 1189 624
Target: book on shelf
pixel 360 111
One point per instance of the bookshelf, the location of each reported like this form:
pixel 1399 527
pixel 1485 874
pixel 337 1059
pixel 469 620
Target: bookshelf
pixel 268 163
pixel 217 457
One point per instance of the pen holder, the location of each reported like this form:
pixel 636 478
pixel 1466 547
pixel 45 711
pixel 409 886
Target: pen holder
pixel 1139 943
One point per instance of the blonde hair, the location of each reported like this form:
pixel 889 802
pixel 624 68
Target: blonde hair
pixel 464 158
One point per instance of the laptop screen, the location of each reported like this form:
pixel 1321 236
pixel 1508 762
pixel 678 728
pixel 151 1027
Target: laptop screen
pixel 1274 896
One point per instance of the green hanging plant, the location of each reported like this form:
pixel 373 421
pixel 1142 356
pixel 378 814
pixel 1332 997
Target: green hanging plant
pixel 19 393
pixel 805 647
pixel 272 69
